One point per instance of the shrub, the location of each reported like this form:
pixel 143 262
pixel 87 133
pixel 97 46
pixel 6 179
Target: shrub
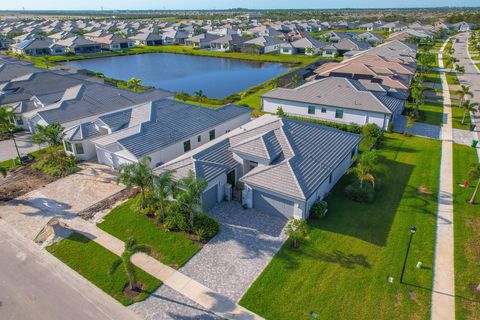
pixel 151 206
pixel 390 127
pixel 280 112
pixel 354 192
pixel 59 165
pixel 205 227
pixel 176 221
pixel 319 210
pixel 371 130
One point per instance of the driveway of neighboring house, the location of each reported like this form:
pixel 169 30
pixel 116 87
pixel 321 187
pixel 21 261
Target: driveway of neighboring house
pixel 62 198
pixel 228 264
pixel 24 144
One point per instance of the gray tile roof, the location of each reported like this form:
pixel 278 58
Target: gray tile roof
pixel 332 91
pixel 173 121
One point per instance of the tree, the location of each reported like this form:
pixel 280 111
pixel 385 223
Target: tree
pixel 297 229
pixel 163 187
pixel 190 198
pixel 366 169
pixel 183 96
pixel 309 50
pixel 417 92
pixel 459 69
pixel 131 247
pixel 134 84
pixel 451 60
pixel 3 172
pixel 275 82
pixel 6 116
pixel 296 80
pixel 46 62
pixel 51 134
pixel 464 92
pixel 468 107
pixel 199 94
pixel 280 112
pixel 474 175
pixel 138 174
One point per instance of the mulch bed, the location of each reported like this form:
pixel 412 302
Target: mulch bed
pixel 107 203
pixel 22 181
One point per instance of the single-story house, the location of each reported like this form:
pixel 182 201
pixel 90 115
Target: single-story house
pixel 37 47
pixel 283 165
pixel 230 42
pixel 80 45
pixel 308 46
pixel 262 44
pixel 336 99
pixel 147 39
pixel 370 37
pixel 202 40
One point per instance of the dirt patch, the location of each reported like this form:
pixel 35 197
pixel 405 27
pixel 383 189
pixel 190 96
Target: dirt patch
pixel 423 191
pixel 413 296
pixel 107 204
pixel 22 181
pixel 472 245
pixel 128 292
pixel 398 299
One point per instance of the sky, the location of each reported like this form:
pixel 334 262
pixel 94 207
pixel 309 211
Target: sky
pixel 223 4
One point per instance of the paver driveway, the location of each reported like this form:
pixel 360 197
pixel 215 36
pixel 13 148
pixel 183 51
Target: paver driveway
pixel 228 264
pixel 62 198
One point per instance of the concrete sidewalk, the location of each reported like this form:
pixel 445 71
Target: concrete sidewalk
pixel 195 291
pixel 443 294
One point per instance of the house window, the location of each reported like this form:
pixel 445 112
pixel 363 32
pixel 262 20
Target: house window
pixel 227 131
pixel 330 178
pixel 311 110
pixel 19 121
pixel 79 148
pixel 323 110
pixel 339 113
pixel 199 139
pixel 68 146
pixel 187 146
pixel 211 134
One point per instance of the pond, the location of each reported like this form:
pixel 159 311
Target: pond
pixel 216 77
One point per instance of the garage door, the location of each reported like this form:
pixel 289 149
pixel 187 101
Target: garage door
pixel 209 197
pixel 270 203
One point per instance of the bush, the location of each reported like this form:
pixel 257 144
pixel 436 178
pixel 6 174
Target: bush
pixel 205 227
pixel 59 165
pixel 354 192
pixel 390 127
pixel 371 130
pixel 319 210
pixel 151 206
pixel 176 221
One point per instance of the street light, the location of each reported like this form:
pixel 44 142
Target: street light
pixel 412 231
pixel 10 130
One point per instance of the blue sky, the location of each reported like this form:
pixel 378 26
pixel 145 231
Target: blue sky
pixel 222 4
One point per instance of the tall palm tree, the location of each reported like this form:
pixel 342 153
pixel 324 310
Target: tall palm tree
pixel 163 187
pixel 474 175
pixel 366 168
pixel 134 84
pixel 6 116
pixel 417 92
pixel 464 92
pixel 138 174
pixel 468 107
pixel 131 247
pixel 190 198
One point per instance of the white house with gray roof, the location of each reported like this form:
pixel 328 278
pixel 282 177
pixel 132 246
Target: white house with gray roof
pixel 336 99
pixel 285 165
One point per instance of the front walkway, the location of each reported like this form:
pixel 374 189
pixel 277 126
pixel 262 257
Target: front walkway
pixel 228 264
pixel 212 301
pixel 63 198
pixel 443 294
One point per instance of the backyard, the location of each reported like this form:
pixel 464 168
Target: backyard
pixel 467 243
pixel 341 271
pixel 101 267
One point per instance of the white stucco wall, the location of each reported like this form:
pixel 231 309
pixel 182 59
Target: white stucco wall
pixel 300 108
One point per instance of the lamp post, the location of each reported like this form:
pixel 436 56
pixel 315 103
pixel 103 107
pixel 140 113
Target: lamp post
pixel 15 143
pixel 412 231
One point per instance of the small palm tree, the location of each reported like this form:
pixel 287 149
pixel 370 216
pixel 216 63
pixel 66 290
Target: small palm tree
pixel 366 169
pixel 138 174
pixel 131 247
pixel 190 198
pixel 297 229
pixel 6 116
pixel 296 80
pixel 163 187
pixel 199 94
pixel 417 92
pixel 134 84
pixel 464 92
pixel 474 175
pixel 51 134
pixel 468 107
pixel 459 69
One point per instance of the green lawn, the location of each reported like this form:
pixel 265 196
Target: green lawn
pixel 341 271
pixel 467 241
pixel 10 164
pixel 457 115
pixel 94 262
pixel 451 78
pixel 171 248
pixel 433 76
pixel 431 113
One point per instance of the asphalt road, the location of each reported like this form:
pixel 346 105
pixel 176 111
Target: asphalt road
pixel 35 285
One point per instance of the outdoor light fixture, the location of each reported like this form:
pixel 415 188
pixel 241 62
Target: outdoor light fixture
pixel 10 130
pixel 412 231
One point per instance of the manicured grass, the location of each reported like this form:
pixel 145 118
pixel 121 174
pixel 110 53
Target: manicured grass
pixel 254 101
pixel 171 248
pixel 431 113
pixel 457 115
pixel 451 78
pixel 94 262
pixel 467 241
pixel 341 271
pixel 433 76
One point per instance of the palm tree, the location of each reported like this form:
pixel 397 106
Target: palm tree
pixel 199 94
pixel 51 134
pixel 468 107
pixel 138 174
pixel 131 247
pixel 451 60
pixel 134 84
pixel 190 198
pixel 6 116
pixel 464 92
pixel 417 92
pixel 366 168
pixel 459 69
pixel 296 80
pixel 163 187
pixel 474 174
